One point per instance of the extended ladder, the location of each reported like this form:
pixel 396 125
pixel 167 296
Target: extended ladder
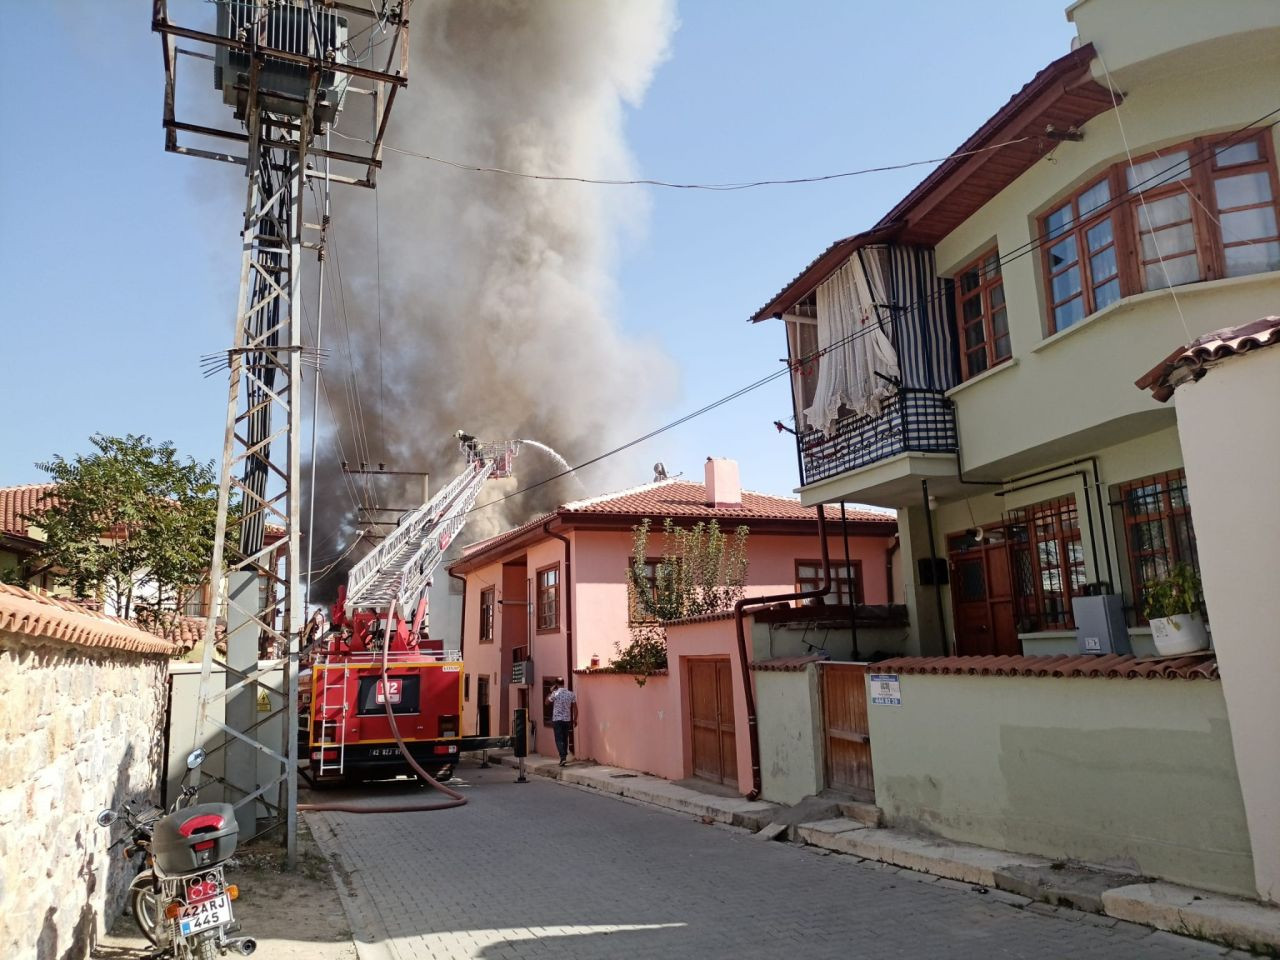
pixel 398 571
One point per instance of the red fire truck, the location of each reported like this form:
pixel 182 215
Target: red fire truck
pixel 379 685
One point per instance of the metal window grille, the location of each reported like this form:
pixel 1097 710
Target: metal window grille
pixel 916 421
pixel 1048 563
pixel 1158 530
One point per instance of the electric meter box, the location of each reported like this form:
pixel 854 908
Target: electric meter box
pixel 1100 626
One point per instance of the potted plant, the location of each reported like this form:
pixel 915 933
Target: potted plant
pixel 1171 605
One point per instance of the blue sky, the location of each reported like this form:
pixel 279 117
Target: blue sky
pixel 119 261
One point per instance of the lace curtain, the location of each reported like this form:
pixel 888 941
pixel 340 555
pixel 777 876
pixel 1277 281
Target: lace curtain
pixel 853 334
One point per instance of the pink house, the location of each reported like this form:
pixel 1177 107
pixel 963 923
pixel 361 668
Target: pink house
pixel 554 592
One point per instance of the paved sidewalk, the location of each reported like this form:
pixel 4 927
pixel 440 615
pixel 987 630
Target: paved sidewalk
pixel 1025 881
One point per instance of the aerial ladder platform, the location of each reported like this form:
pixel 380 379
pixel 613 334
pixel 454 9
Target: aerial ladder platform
pixel 379 658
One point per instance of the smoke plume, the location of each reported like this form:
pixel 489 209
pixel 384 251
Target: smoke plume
pixel 497 292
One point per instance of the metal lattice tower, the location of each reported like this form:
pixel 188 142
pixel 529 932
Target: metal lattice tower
pixel 288 69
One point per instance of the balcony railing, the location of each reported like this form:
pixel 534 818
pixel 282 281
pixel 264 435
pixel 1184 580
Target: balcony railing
pixel 914 421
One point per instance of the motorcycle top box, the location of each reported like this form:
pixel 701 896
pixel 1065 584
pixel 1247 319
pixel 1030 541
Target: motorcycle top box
pixel 196 837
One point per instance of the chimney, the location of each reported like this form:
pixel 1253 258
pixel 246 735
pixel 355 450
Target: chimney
pixel 723 487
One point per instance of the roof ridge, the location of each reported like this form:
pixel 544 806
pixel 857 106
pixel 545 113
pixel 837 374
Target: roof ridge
pixel 616 494
pixel 28 486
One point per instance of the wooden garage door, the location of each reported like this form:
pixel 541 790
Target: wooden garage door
pixel 846 731
pixel 711 720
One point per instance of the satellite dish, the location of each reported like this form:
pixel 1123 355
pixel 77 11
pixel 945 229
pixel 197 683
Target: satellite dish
pixel 659 471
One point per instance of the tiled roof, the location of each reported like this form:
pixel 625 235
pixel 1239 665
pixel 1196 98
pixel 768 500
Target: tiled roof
pixel 513 534
pixel 1061 95
pixel 682 499
pixel 702 618
pixel 24 612
pixel 189 632
pixel 1193 361
pixel 1202 666
pixel 685 498
pixel 788 664
pixel 16 502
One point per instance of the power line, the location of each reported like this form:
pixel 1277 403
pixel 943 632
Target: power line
pixel 721 187
pixel 1172 171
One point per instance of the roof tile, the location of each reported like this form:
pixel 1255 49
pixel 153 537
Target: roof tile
pixel 24 612
pixel 1198 666
pixel 17 502
pixel 1191 362
pixel 681 499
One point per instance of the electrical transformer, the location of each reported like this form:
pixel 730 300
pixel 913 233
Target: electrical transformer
pixel 298 28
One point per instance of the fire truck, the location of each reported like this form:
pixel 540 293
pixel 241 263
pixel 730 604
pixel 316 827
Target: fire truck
pixel 379 686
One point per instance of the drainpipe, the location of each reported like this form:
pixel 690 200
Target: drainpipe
pixel 848 572
pixel 753 733
pixel 568 605
pixel 889 553
pixel 933 559
pixel 462 626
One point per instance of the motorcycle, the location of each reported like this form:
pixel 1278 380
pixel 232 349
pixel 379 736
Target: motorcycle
pixel 180 900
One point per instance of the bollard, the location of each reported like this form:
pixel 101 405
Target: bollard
pixel 520 739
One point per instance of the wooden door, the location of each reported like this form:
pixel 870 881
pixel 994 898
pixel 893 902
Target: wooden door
pixel 714 746
pixel 846 730
pixel 982 599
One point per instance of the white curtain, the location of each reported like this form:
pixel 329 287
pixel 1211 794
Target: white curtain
pixel 855 346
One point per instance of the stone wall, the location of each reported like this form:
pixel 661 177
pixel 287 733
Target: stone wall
pixel 81 729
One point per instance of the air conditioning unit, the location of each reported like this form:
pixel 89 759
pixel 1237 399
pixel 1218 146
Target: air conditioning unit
pixel 305 30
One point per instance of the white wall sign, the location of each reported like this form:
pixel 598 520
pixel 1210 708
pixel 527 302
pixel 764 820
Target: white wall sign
pixel 885 689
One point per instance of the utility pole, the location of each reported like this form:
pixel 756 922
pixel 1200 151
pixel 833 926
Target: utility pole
pixel 287 69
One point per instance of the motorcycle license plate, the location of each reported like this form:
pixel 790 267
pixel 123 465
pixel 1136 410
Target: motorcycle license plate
pixel 206 914
pixel 207 903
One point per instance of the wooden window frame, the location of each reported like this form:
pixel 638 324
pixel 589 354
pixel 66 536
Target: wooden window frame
pixel 1078 229
pixel 543 624
pixel 813 583
pixel 983 292
pixel 632 606
pixel 488 610
pixel 1062 516
pixel 1168 516
pixel 1266 162
pixel 1124 207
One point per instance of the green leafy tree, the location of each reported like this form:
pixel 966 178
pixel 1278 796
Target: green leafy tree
pixel 132 525
pixel 701 571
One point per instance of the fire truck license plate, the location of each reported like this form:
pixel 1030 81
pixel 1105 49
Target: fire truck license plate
pixel 206 914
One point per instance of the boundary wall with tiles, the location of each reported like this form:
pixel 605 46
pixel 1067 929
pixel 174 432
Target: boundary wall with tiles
pixel 1135 773
pixel 82 710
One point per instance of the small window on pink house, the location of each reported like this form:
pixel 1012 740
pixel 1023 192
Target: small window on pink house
pixel 846 581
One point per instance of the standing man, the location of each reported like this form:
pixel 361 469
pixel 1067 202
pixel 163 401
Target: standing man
pixel 564 717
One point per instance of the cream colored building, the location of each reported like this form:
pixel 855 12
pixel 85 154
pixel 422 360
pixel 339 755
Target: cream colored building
pixel 971 361
pixel 1123 203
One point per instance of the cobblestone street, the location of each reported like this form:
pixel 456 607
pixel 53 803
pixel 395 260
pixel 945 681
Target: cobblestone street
pixel 544 869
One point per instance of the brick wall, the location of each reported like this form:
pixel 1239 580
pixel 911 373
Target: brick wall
pixel 81 729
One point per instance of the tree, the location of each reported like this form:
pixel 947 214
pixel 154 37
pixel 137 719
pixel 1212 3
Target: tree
pixel 701 571
pixel 131 525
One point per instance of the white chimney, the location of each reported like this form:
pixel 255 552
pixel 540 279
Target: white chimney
pixel 723 487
